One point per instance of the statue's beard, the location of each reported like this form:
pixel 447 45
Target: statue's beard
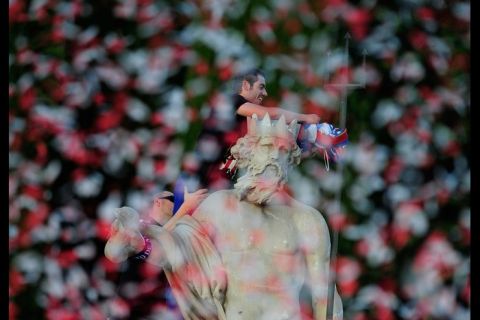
pixel 260 183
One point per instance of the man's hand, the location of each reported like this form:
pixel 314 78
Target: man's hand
pixel 192 200
pixel 311 118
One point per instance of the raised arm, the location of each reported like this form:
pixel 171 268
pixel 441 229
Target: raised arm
pixel 248 109
pixel 315 242
pixel 192 200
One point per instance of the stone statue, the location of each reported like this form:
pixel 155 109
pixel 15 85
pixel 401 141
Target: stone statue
pixel 244 253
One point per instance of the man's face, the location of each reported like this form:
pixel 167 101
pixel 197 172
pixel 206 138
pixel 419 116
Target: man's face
pixel 255 93
pixel 162 210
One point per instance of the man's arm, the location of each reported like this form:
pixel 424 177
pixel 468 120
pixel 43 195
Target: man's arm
pixel 315 244
pixel 248 109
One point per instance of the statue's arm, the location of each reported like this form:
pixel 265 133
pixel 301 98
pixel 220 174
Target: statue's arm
pixel 122 243
pixel 210 212
pixel 128 238
pixel 315 243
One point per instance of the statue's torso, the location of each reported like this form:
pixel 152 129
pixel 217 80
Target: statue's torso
pixel 261 254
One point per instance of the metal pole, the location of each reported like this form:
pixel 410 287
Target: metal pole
pixel 338 196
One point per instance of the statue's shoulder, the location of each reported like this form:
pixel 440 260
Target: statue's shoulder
pixel 216 200
pixel 304 208
pixel 212 210
pixel 312 227
pixel 306 215
pixel 221 195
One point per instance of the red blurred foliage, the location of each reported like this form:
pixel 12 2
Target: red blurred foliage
pixel 16 282
pixel 452 149
pixel 338 221
pixel 12 311
pixel 108 120
pixel 418 39
pixel 466 291
pixel 202 68
pixel 17 12
pixel 66 258
pixel 149 271
pixel 384 313
pixel 33 191
pixel 393 170
pixel 116 46
pixel 62 313
pixel 358 20
pixel 460 62
pixel 102 229
pixel 36 217
pixel 225 71
pixel 293 26
pixel 107 265
pixel 400 236
pixel 348 270
pixel 28 98
pixel 425 14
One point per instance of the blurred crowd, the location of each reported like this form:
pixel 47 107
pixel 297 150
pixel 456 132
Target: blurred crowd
pixel 107 100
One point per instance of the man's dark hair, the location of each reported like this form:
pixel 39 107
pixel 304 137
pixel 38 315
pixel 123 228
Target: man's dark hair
pixel 251 76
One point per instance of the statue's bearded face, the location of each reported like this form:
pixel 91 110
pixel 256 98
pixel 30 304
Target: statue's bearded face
pixel 267 167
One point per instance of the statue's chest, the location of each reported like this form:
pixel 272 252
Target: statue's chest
pixel 260 250
pixel 253 229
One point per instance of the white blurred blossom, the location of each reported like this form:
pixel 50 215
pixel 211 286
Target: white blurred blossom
pixel 137 110
pixel 408 68
pixel 89 186
pixel 175 111
pixel 114 76
pixel 372 295
pixel 461 10
pixel 386 111
pixel 30 263
pixel 411 217
pixel 397 193
pixel 106 209
pixel 151 80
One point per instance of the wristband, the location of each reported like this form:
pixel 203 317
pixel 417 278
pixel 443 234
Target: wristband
pixel 147 249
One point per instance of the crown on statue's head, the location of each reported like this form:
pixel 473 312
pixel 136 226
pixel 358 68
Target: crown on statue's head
pixel 272 128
